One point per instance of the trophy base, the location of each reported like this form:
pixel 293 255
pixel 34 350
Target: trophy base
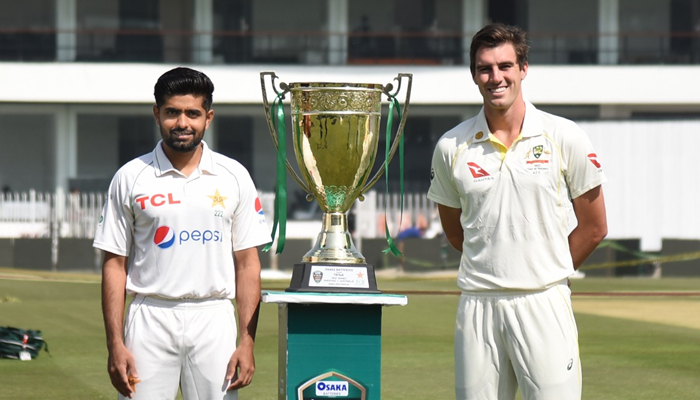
pixel 333 278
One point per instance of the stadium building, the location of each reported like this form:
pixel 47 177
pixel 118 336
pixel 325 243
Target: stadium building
pixel 77 82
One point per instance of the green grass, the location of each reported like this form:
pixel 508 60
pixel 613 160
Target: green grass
pixel 622 358
pixel 636 360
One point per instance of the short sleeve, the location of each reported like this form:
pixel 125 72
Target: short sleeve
pixel 115 228
pixel 249 227
pixel 584 170
pixel 442 189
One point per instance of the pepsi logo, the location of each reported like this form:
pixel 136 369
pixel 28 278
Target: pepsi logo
pixel 164 237
pixel 258 206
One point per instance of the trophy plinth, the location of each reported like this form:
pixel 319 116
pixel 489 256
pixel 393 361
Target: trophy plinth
pixel 335 131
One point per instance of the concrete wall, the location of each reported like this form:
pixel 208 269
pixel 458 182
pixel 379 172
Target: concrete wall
pixel 7 252
pixel 421 255
pixel 32 254
pixel 675 247
pixel 78 254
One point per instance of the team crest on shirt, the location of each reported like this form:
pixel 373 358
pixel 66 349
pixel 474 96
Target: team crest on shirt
pixel 537 151
pixel 217 199
pixel 537 160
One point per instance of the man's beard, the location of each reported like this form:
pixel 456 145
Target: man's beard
pixel 181 146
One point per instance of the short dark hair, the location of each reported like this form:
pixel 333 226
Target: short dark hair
pixel 183 81
pixel 496 34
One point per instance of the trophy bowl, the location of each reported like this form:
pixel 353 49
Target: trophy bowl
pixel 335 132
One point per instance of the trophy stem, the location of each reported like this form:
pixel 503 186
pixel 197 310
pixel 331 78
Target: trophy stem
pixel 334 243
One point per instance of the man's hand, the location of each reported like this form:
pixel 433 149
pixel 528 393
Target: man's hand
pixel 241 367
pixel 121 362
pixel 452 225
pixel 122 371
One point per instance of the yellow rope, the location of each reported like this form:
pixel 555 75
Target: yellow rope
pixel 649 260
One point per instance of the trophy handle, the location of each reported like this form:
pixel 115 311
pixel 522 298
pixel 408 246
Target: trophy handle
pixel 399 133
pixel 283 89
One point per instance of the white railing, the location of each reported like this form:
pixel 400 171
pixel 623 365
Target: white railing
pixel 37 214
pixel 75 215
pixel 417 211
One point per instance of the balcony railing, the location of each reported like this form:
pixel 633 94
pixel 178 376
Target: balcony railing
pixel 252 47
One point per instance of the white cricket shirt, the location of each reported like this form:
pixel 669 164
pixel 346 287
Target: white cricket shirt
pixel 515 202
pixel 180 232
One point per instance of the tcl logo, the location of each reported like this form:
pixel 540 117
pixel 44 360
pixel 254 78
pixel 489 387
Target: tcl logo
pixel 156 200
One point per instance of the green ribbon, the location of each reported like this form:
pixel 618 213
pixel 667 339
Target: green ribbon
pixel 392 103
pixel 280 219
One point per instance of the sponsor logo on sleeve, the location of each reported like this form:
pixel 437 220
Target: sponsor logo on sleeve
pixel 258 206
pixel 594 159
pixel 259 210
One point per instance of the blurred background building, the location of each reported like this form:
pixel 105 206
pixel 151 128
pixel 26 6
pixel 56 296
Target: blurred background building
pixel 77 76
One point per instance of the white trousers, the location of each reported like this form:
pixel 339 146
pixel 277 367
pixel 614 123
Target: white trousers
pixel 181 343
pixel 507 340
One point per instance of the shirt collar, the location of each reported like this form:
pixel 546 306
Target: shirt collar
pixel 532 125
pixel 163 164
